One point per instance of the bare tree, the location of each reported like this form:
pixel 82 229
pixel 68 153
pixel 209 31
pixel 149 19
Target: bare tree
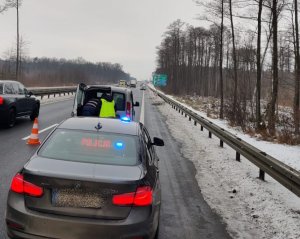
pixel 258 65
pixel 235 93
pixel 272 104
pixel 221 62
pixel 297 75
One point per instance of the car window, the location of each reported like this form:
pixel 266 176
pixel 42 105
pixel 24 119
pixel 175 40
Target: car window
pixel 119 99
pixel 21 89
pixel 1 88
pixel 91 147
pixel 8 88
pixel 148 142
pixel 15 87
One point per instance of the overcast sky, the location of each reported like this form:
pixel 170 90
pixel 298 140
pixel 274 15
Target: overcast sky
pixel 118 31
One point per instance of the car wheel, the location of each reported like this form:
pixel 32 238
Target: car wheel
pixel 35 113
pixel 11 120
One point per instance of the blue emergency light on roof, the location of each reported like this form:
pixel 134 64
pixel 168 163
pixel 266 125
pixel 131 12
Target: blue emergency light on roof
pixel 125 119
pixel 119 145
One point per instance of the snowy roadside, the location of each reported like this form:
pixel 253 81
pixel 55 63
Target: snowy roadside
pixel 289 155
pixel 250 207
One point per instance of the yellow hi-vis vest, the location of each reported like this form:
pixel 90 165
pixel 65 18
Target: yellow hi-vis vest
pixel 107 109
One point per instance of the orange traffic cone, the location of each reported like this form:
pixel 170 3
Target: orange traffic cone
pixel 34 137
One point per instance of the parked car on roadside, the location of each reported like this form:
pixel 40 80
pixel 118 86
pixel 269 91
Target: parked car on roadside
pixel 123 98
pixel 16 101
pixel 91 178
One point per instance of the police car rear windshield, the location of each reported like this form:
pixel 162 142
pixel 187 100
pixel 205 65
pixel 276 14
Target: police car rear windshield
pixel 91 147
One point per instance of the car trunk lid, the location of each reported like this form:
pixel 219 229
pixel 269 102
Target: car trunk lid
pixel 80 189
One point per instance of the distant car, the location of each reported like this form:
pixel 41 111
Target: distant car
pixel 16 101
pixel 143 87
pixel 122 83
pixel 123 98
pixel 133 83
pixel 91 178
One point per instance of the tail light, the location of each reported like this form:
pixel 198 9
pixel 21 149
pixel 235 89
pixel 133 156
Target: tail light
pixel 19 185
pixel 142 197
pixel 128 109
pixel 1 100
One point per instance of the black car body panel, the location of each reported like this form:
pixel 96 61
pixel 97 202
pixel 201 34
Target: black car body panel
pixel 58 214
pixel 14 98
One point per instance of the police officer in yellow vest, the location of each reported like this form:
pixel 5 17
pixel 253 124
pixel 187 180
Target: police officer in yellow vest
pixel 107 107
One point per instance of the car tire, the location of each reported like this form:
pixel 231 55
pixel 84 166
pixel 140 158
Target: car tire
pixel 35 113
pixel 11 118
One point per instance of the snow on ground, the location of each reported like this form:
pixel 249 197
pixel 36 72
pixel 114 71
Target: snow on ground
pixel 250 207
pixel 289 155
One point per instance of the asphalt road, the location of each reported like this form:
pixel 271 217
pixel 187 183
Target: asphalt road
pixel 184 213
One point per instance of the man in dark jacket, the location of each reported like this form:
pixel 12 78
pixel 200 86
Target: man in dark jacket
pixel 91 108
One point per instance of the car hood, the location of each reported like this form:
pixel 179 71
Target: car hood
pixel 85 171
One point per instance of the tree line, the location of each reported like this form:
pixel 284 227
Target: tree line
pixel 59 72
pixel 248 56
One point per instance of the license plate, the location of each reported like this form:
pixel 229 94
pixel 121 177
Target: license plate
pixel 76 198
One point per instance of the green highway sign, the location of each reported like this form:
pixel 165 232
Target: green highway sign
pixel 160 80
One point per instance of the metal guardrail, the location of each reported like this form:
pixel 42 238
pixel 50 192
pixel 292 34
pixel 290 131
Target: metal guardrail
pixel 44 91
pixel 282 173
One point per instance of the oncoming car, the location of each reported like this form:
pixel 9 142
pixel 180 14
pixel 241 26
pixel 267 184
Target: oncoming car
pixel 91 178
pixel 123 98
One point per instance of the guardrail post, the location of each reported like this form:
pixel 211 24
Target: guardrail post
pixel 178 110
pixel 64 93
pixel 42 97
pixel 201 128
pixel 185 115
pixel 48 96
pixel 190 118
pixel 261 174
pixel 209 134
pixel 195 123
pixel 181 112
pixel 221 143
pixel 238 157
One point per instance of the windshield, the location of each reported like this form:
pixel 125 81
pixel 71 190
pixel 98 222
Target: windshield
pixel 91 147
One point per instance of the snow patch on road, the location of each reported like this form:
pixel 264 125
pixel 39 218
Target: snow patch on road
pixel 250 207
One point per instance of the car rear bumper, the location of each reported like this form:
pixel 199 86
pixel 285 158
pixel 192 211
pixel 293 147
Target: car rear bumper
pixel 141 222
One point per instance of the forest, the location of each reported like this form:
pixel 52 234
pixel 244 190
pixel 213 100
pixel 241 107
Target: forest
pixel 248 59
pixel 61 72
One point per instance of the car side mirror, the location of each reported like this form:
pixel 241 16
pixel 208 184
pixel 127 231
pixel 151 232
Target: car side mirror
pixel 30 93
pixel 158 142
pixel 137 104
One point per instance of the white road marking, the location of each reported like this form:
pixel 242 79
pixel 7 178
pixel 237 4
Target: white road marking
pixel 142 116
pixel 41 131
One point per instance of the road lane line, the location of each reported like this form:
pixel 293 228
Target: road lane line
pixel 142 114
pixel 50 127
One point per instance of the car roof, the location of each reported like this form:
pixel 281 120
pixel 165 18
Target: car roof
pixel 8 81
pixel 108 125
pixel 113 88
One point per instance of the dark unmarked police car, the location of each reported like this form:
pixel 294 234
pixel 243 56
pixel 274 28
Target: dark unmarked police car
pixel 91 178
